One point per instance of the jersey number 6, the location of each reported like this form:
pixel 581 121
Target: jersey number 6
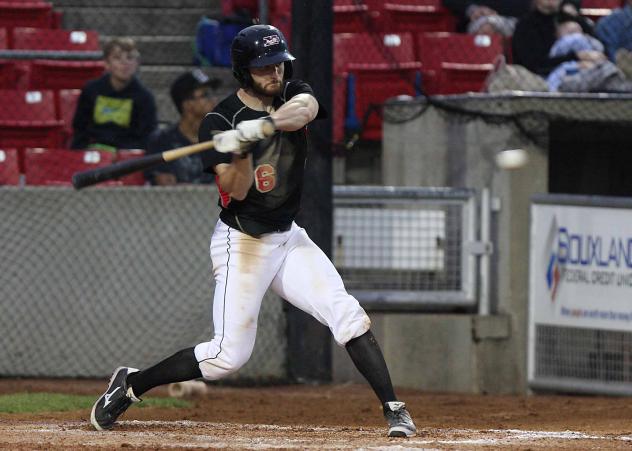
pixel 265 178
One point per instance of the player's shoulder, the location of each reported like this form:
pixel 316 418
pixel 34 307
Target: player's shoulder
pixel 224 112
pixel 294 87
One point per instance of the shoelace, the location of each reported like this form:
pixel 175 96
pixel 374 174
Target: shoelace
pixel 401 415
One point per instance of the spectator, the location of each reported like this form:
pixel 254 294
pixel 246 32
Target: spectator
pixel 192 96
pixel 115 111
pixel 583 76
pixel 615 31
pixel 488 16
pixel 536 33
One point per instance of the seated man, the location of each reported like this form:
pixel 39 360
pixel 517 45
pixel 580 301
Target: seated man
pixel 615 31
pixel 192 96
pixel 115 111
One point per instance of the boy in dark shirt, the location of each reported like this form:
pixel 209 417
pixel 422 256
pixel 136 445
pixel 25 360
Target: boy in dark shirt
pixel 115 111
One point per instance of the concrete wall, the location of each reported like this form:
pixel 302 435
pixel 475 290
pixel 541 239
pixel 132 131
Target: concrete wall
pixel 457 352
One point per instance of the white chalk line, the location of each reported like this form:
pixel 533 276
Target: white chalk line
pixel 466 437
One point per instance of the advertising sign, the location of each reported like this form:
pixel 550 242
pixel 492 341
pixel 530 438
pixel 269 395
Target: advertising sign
pixel 581 267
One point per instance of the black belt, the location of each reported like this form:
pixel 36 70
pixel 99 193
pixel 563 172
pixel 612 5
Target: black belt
pixel 251 227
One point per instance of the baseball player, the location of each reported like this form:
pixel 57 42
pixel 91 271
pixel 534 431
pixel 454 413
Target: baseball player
pixel 256 244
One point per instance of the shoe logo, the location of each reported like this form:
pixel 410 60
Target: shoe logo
pixel 108 396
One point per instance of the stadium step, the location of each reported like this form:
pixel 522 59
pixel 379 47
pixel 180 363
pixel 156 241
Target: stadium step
pixel 162 50
pixel 137 21
pixel 159 78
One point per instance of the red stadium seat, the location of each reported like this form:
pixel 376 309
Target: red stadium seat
pixel 25 14
pixel 57 19
pixel 63 40
pixel 596 9
pixel 417 16
pixel 65 106
pixel 609 4
pixel 54 74
pixel 353 17
pixel 4 39
pixel 31 120
pixel 9 168
pixel 56 166
pixel 137 178
pixel 281 17
pixel 456 63
pixel 14 74
pixel 230 7
pixel 378 67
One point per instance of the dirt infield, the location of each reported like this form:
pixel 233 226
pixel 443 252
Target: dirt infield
pixel 325 417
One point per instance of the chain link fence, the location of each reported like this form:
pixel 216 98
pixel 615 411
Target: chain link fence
pixel 121 276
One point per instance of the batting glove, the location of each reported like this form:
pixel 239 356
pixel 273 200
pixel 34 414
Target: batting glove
pixel 230 141
pixel 256 129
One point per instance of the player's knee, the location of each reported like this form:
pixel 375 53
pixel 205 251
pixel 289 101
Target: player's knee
pixel 353 323
pixel 228 360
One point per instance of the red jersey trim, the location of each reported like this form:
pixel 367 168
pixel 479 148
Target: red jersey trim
pixel 224 197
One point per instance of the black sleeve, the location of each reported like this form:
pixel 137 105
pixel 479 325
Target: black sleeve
pixel 294 87
pixel 81 120
pixel 213 123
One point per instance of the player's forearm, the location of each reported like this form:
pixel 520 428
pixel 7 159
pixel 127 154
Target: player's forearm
pixel 236 178
pixel 295 113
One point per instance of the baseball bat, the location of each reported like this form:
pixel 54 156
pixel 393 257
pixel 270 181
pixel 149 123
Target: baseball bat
pixel 121 168
pixel 98 175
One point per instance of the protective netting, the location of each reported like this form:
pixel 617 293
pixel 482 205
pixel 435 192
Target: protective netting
pixel 113 276
pixel 574 358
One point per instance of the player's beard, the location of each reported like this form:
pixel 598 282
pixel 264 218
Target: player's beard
pixel 268 90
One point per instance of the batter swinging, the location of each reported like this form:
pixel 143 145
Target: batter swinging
pixel 256 243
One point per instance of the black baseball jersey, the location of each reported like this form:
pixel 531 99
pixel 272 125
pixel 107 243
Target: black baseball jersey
pixel 273 200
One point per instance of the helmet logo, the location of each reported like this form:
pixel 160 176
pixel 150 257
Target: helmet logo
pixel 271 40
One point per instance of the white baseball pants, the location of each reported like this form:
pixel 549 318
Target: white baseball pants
pixel 296 269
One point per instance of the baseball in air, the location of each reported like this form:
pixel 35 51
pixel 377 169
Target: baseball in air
pixel 512 158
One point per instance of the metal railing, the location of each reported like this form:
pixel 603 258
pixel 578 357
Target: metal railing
pixel 407 248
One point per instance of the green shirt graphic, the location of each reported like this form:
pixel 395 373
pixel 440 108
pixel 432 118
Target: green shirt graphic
pixel 110 109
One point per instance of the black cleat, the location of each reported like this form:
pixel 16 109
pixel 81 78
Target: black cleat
pixel 400 424
pixel 116 399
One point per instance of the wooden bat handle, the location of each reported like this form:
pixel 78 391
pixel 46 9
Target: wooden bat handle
pixel 174 154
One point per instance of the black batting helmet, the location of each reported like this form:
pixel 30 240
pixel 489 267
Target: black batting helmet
pixel 258 46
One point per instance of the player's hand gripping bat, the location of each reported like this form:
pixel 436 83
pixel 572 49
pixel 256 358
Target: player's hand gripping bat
pixel 230 141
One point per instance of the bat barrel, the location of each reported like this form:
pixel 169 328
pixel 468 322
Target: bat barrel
pixel 116 170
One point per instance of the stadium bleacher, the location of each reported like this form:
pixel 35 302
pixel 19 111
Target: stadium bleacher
pixel 456 63
pixel 9 167
pixel 4 39
pixel 51 166
pixel 424 54
pixel 38 14
pixel 31 122
pixel 28 38
pixel 386 67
